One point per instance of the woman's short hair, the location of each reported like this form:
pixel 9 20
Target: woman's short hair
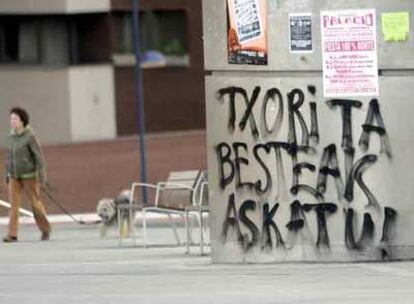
pixel 22 113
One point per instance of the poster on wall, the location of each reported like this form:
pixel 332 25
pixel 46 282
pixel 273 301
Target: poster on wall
pixel 247 32
pixel 349 53
pixel 395 26
pixel 300 33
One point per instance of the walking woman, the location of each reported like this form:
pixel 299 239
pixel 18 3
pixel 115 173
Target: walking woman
pixel 25 174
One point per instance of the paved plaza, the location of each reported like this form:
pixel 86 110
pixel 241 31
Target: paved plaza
pixel 76 266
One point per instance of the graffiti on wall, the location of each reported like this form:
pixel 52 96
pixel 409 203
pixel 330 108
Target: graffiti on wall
pixel 237 158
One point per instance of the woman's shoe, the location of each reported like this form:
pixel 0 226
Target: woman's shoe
pixel 45 236
pixel 10 239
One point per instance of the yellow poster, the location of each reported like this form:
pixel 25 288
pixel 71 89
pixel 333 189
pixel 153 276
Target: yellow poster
pixel 395 26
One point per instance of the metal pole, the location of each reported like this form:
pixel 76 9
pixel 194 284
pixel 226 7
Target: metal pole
pixel 139 98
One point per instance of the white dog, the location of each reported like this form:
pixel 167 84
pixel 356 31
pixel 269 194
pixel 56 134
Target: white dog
pixel 107 210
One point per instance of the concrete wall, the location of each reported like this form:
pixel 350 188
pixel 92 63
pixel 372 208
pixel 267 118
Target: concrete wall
pixel 31 88
pixel 280 59
pixel 387 178
pixel 92 105
pixel 53 6
pixel 32 6
pixel 332 199
pixel 82 6
pixel 66 105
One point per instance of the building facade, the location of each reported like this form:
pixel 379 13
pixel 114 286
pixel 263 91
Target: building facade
pixel 71 64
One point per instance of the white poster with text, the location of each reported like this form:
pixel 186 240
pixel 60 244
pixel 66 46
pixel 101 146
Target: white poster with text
pixel 349 53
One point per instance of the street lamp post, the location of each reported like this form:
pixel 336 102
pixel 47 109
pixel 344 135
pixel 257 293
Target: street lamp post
pixel 139 95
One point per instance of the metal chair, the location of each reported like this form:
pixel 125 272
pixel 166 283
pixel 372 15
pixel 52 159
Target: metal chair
pixel 199 209
pixel 132 207
pixel 173 197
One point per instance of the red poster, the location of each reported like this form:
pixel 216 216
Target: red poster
pixel 247 32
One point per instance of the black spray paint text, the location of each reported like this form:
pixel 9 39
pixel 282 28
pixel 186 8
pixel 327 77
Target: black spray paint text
pixel 236 157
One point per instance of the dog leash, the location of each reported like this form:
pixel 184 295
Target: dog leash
pixel 47 191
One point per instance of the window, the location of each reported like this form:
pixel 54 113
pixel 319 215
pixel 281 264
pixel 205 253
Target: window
pixel 9 42
pixel 54 40
pixel 89 40
pixel 123 33
pixel 19 40
pixel 164 31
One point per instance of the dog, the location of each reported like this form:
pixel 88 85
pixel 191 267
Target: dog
pixel 107 210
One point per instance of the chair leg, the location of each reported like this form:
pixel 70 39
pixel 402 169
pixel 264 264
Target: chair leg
pixel 177 238
pixel 187 251
pixel 190 229
pixel 198 219
pixel 201 233
pixel 119 226
pixel 144 229
pixel 205 226
pixel 132 227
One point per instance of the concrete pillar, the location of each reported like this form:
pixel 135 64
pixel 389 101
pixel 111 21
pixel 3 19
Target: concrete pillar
pixel 343 192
